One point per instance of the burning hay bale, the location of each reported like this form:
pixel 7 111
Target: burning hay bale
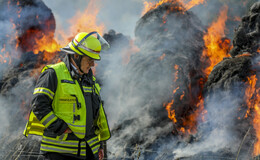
pixel 172 37
pixel 236 76
pixel 167 68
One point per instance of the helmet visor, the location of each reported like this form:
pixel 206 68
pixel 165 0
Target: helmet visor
pixel 104 44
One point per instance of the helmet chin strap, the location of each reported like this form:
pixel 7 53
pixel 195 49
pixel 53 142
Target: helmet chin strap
pixel 78 62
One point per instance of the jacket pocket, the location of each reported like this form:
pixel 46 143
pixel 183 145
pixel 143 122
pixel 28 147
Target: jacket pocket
pixel 67 107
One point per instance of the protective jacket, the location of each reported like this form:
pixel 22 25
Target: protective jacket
pixel 63 99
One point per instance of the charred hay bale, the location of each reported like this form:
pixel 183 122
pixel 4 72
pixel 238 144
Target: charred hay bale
pixel 227 73
pixel 247 35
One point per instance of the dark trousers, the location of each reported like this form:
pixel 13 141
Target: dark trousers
pixel 58 156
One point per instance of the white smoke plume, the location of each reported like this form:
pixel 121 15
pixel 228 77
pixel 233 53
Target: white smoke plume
pixel 217 131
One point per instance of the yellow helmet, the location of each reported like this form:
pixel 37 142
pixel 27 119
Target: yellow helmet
pixel 87 44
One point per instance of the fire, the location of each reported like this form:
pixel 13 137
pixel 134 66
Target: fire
pixel 43 41
pixel 162 57
pixel 147 6
pixel 216 48
pixel 86 21
pixel 257 125
pixel 193 3
pixel 252 97
pixel 38 41
pixel 176 67
pixel 152 5
pixel 244 55
pixel 183 94
pixel 3 59
pixel 171 112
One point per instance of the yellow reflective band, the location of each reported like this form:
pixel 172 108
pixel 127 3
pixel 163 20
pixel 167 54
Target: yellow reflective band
pixel 48 119
pixel 62 143
pixel 87 89
pixel 58 149
pixel 76 125
pixel 81 133
pixel 95 149
pixel 44 91
pixel 97 88
pixel 64 150
pixel 93 141
pixel 69 142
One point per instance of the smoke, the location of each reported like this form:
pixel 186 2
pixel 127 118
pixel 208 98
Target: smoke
pixel 134 93
pixel 135 89
pixel 217 132
pixel 21 23
pixel 6 42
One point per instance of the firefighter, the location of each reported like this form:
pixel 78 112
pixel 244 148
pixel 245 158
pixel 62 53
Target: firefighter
pixel 67 110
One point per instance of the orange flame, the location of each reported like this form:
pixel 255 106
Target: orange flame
pixel 86 21
pixel 6 56
pixel 183 94
pixel 152 5
pixel 176 67
pixel 171 112
pixel 193 3
pixel 257 125
pixel 216 48
pixel 252 96
pixel 46 43
pixel 162 57
pixel 147 6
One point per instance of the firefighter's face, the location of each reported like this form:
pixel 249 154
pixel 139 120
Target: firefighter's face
pixel 86 63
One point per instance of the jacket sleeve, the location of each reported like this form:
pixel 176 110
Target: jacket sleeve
pixel 42 102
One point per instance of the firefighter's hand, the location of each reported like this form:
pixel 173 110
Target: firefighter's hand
pixel 68 130
pixel 101 154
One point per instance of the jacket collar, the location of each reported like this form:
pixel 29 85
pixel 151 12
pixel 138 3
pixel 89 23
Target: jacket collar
pixel 73 71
